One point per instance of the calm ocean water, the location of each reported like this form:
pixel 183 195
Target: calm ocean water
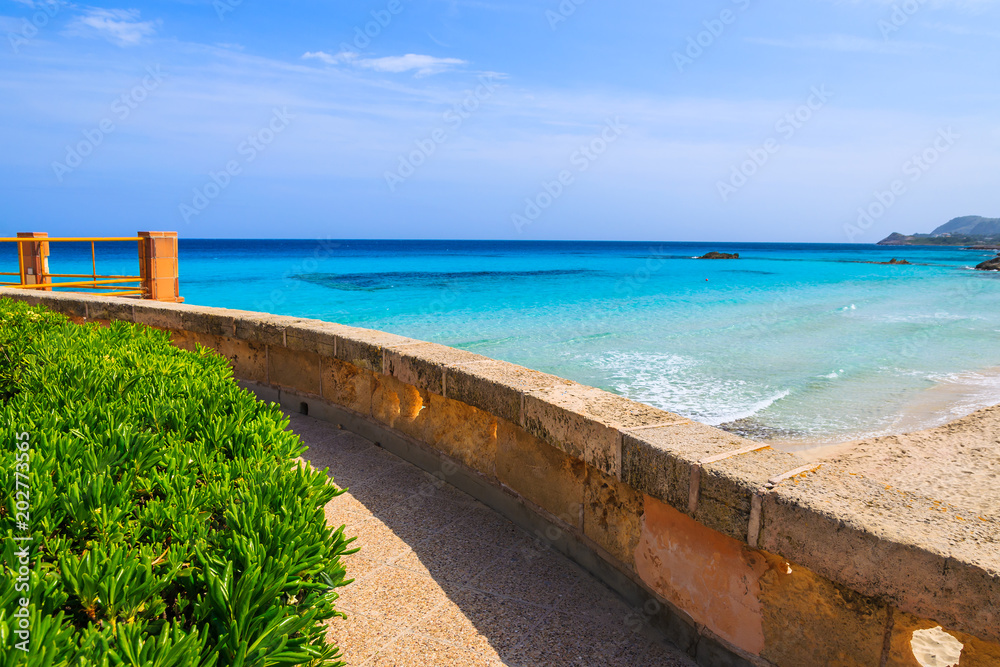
pixel 792 342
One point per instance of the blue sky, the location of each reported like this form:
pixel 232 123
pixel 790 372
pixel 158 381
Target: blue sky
pixel 583 119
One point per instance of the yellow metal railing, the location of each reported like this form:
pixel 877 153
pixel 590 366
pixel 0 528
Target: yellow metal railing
pixel 108 285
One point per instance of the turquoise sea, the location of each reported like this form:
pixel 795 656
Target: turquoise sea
pixel 792 342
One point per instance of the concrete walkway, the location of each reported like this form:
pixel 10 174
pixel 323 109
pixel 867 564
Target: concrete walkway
pixel 443 580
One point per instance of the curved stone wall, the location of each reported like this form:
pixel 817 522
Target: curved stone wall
pixel 738 552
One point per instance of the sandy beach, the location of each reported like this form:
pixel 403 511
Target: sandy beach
pixel 956 463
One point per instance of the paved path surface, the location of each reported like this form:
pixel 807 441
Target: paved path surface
pixel 443 580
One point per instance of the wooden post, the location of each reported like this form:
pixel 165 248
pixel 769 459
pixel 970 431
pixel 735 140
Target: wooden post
pixel 33 258
pixel 158 266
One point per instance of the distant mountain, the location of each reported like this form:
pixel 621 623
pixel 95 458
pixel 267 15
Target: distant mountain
pixel 970 225
pixel 964 231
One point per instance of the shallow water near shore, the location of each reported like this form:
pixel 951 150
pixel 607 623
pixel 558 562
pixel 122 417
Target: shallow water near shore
pixel 798 343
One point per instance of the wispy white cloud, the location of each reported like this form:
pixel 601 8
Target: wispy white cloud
pixel 421 65
pixel 118 26
pixel 331 58
pixel 845 43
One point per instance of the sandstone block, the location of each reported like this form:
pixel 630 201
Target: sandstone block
pixel 588 423
pixel 295 370
pixel 214 321
pixel 496 386
pixel 249 360
pixel 539 472
pixel 902 548
pixel 364 347
pixel 71 305
pixel 111 309
pixel 808 620
pixel 159 314
pixel 726 487
pixel 710 576
pixel 612 516
pixel 313 336
pixel 658 461
pixel 423 364
pixel 347 385
pixel 399 405
pixel 462 432
pixel 260 327
pixel 189 340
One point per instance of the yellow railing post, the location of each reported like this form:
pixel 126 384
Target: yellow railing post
pixel 157 262
pixel 34 259
pixel 22 274
pixel 158 266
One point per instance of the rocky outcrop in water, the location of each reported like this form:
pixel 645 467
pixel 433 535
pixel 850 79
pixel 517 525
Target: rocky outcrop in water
pixel 989 265
pixel 720 255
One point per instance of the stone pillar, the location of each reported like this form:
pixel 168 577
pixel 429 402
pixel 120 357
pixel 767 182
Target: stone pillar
pixel 158 266
pixel 34 259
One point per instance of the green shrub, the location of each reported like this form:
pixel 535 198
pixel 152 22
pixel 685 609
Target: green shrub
pixel 171 523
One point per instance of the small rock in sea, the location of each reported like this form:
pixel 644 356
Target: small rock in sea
pixel 720 255
pixel 895 262
pixel 989 265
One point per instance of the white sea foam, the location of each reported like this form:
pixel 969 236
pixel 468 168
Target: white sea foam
pixel 971 390
pixel 953 395
pixel 676 383
pixel 751 410
pixel 924 317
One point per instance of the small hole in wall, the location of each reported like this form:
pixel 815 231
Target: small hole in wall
pixel 304 408
pixel 936 648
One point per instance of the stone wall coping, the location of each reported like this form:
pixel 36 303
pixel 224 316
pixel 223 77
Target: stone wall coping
pixel 878 541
